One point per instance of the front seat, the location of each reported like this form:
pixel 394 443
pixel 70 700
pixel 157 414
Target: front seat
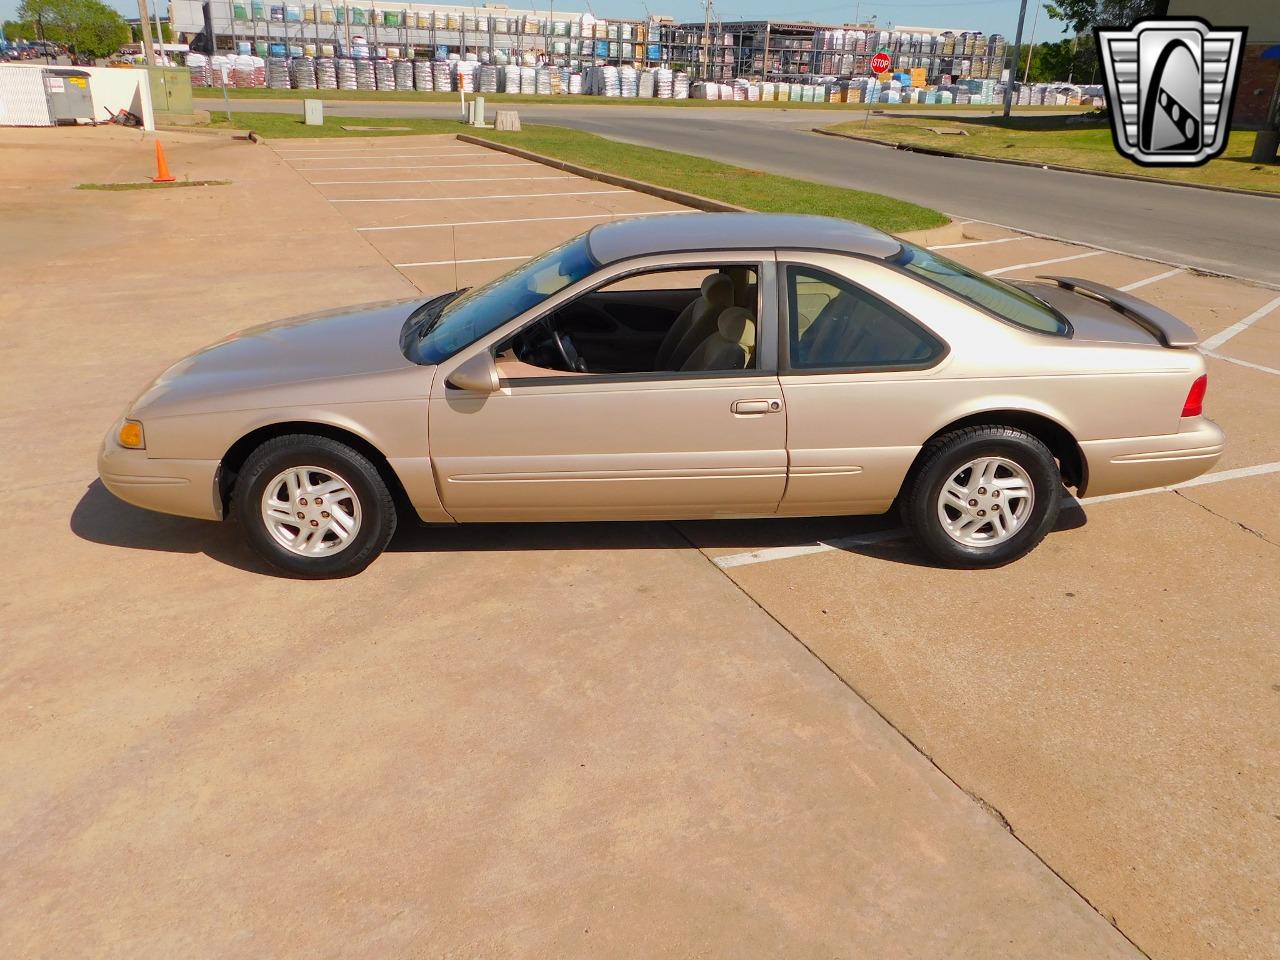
pixel 729 347
pixel 695 323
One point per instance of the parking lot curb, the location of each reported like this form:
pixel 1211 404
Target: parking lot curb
pixel 940 234
pixel 663 193
pixel 1061 168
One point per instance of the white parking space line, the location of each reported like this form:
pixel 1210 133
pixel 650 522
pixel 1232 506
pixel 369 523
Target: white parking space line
pixel 450 263
pixel 1218 339
pixel 1142 283
pixel 391 156
pixel 335 183
pixel 486 223
pixel 426 166
pixel 976 243
pixel 883 536
pixel 491 196
pixel 1239 473
pixel 1043 263
pixel 804 550
pixel 1240 363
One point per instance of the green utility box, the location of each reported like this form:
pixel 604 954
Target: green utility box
pixel 170 89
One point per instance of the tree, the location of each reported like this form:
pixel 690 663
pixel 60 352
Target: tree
pixel 18 30
pixel 1053 61
pixel 1081 16
pixel 86 27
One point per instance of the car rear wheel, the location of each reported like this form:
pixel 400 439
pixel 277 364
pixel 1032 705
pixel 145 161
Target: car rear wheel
pixel 983 496
pixel 314 507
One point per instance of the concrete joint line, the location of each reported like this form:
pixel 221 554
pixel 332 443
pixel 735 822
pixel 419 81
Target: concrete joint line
pixel 981 801
pixel 1243 526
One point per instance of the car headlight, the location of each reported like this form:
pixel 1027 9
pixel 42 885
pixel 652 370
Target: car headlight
pixel 130 435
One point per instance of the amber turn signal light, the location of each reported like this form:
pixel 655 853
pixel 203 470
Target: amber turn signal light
pixel 130 435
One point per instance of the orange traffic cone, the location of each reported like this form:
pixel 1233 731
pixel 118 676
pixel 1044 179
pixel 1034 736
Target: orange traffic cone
pixel 162 167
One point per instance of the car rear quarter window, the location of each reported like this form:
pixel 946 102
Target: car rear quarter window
pixel 835 324
pixel 1000 299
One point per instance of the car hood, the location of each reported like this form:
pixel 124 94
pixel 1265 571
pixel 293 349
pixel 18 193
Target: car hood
pixel 337 344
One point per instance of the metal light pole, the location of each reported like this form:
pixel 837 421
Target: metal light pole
pixel 1031 45
pixel 160 34
pixel 1013 66
pixel 148 48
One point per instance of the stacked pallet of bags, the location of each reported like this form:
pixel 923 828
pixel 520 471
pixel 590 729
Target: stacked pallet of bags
pixel 403 71
pixel 326 74
pixel 302 73
pixel 345 70
pixel 465 75
pixel 422 78
pixel 200 70
pixel 384 75
pixel 278 73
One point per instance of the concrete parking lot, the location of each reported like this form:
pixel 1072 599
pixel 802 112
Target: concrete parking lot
pixel 767 738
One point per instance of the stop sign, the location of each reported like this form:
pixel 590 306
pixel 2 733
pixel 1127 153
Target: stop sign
pixel 881 63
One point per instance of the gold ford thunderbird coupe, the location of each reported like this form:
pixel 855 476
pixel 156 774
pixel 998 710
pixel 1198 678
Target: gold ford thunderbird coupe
pixel 676 367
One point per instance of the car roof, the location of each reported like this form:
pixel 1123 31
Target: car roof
pixel 688 232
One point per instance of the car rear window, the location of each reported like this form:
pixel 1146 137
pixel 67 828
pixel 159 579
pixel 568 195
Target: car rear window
pixel 1001 299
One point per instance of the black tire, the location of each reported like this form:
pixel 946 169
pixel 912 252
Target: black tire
pixel 377 513
pixel 948 454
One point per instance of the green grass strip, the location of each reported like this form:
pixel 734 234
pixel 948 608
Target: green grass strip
pixel 148 185
pixel 1082 144
pixel 739 186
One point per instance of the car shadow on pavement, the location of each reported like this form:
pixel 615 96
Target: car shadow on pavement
pixel 100 517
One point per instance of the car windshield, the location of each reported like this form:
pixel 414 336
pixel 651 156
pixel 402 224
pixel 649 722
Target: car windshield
pixel 1004 300
pixel 483 309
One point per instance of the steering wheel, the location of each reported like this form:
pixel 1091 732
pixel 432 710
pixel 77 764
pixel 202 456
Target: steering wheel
pixel 568 352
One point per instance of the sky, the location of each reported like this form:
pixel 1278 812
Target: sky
pixel 989 16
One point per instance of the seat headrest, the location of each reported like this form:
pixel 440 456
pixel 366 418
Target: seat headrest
pixel 737 326
pixel 717 290
pixel 741 277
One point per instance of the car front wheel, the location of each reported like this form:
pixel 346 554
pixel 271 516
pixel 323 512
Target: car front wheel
pixel 983 496
pixel 314 507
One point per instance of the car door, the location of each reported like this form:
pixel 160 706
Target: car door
pixel 616 446
pixel 857 366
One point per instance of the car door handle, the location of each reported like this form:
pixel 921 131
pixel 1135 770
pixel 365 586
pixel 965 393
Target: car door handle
pixel 756 406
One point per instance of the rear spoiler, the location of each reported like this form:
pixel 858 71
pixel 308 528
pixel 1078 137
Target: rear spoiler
pixel 1165 327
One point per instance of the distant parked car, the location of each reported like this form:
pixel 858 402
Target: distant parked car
pixel 686 366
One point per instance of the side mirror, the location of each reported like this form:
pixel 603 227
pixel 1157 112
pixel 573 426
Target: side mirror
pixel 479 374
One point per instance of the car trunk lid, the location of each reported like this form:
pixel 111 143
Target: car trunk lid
pixel 1102 313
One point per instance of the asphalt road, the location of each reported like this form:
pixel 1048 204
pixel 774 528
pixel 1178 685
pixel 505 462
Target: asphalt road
pixel 1226 233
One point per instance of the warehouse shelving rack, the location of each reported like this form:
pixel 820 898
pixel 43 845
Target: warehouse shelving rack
pixel 331 23
pixel 788 51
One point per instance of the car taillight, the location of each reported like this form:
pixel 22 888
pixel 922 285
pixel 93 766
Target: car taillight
pixel 1195 397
